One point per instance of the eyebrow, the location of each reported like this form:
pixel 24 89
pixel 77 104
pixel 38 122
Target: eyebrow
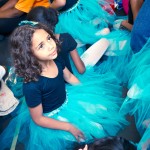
pixel 42 41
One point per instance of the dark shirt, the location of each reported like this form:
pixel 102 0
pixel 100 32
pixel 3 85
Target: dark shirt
pixel 141 31
pixel 69 4
pixel 67 45
pixel 50 92
pixel 130 15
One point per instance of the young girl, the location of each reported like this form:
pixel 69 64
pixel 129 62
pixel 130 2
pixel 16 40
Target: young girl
pixel 49 17
pixel 57 118
pixel 83 19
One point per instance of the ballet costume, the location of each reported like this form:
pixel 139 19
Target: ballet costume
pixel 92 106
pixel 137 102
pixel 144 143
pixel 85 20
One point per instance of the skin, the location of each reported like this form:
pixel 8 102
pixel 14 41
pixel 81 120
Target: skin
pixel 45 50
pixel 57 4
pixel 8 10
pixel 135 7
pixel 76 59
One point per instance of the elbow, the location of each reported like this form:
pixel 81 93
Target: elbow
pixel 16 13
pixel 82 70
pixel 37 121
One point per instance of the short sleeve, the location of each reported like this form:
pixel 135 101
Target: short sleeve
pixel 32 94
pixel 69 42
pixel 24 5
pixel 27 5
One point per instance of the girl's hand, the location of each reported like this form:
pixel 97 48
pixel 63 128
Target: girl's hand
pixel 77 133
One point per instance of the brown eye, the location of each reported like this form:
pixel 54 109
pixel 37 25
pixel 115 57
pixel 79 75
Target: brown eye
pixel 49 38
pixel 41 46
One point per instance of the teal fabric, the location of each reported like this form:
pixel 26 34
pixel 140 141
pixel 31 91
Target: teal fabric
pixel 93 106
pixel 84 20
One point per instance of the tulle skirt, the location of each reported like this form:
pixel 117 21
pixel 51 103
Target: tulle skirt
pixel 117 56
pixel 93 107
pixel 144 143
pixel 85 20
pixel 137 102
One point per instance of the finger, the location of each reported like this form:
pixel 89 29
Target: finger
pixel 82 135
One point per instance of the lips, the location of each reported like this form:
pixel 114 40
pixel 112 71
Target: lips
pixel 54 53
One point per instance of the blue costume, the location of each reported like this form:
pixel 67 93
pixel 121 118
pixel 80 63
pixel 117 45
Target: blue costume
pixel 91 106
pixel 141 30
pixel 137 102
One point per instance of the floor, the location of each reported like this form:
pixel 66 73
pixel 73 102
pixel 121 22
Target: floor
pixel 129 132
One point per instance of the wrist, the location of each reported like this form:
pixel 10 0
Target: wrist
pixel 68 126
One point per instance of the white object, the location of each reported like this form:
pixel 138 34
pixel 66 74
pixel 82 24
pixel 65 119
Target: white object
pixel 92 55
pixel 134 91
pixel 102 32
pixel 7 100
pixel 2 72
pixel 116 46
pixel 117 23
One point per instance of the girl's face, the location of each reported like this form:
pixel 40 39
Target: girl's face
pixel 43 46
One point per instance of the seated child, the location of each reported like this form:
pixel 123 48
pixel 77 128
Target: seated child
pixel 49 17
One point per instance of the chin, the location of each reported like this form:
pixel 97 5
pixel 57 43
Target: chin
pixel 55 56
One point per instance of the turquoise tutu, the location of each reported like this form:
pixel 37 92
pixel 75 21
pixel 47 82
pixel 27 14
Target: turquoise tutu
pixel 84 20
pixel 137 102
pixel 144 143
pixel 92 106
pixel 117 56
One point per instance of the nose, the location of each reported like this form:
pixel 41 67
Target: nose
pixel 50 46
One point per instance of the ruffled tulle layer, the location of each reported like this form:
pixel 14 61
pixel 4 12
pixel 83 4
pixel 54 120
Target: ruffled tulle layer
pixel 144 143
pixel 137 102
pixel 117 56
pixel 91 106
pixel 85 20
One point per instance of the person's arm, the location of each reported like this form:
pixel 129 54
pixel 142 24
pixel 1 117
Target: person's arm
pixel 135 7
pixel 11 13
pixel 39 119
pixel 8 10
pixel 126 24
pixel 77 61
pixel 9 4
pixel 69 77
pixel 57 4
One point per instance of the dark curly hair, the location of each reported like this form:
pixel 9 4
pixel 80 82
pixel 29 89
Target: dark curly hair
pixel 26 64
pixel 112 143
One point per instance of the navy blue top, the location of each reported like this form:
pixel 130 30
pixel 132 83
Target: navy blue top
pixel 130 15
pixel 68 44
pixel 50 92
pixel 69 4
